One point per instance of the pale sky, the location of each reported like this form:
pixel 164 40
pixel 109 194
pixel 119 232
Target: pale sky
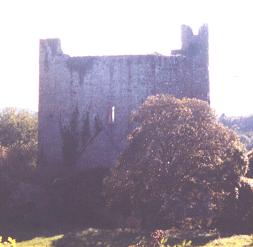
pixel 109 27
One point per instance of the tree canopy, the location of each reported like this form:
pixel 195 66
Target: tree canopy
pixel 180 163
pixel 18 136
pixel 17 127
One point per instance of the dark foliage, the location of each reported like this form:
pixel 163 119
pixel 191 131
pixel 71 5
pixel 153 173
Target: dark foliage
pixel 76 197
pixel 250 171
pixel 55 198
pixel 18 138
pixel 238 213
pixel 241 123
pixel 243 126
pixel 179 167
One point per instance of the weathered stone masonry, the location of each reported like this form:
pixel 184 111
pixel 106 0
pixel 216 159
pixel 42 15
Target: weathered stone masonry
pixel 110 88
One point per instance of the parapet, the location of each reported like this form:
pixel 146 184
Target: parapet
pixel 51 46
pixel 193 44
pixel 187 36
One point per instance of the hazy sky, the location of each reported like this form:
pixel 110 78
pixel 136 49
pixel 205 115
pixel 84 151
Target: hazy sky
pixel 109 27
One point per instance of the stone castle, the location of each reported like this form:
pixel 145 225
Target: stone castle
pixel 85 102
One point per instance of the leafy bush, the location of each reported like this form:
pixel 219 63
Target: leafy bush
pixel 238 216
pixel 243 126
pixel 18 138
pixel 56 198
pixel 244 210
pixel 18 155
pixel 179 166
pixel 160 238
pixel 17 127
pixel 250 171
pixel 76 196
pixel 242 123
pixel 36 196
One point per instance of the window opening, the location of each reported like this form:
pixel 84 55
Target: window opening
pixel 113 114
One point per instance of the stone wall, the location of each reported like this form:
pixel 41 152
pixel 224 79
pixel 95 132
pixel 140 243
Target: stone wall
pixel 109 88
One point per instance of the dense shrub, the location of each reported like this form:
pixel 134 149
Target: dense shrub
pixel 36 196
pixel 18 138
pixel 242 123
pixel 246 138
pixel 243 126
pixel 250 170
pixel 238 216
pixel 245 206
pixel 56 198
pixel 76 196
pixel 179 166
pixel 18 157
pixel 17 127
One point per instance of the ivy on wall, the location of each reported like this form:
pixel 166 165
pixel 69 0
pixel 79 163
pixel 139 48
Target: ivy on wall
pixel 77 137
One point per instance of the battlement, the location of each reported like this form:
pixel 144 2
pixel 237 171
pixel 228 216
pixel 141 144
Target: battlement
pixel 53 46
pixel 190 44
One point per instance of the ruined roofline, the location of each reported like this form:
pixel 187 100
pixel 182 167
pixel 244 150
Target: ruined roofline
pixel 126 56
pixel 187 36
pixel 54 45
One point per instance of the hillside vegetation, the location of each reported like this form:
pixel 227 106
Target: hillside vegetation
pixel 125 238
pixel 243 126
pixel 182 171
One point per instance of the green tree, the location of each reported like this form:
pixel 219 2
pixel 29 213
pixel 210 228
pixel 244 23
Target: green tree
pixel 18 151
pixel 18 136
pixel 180 164
pixel 250 171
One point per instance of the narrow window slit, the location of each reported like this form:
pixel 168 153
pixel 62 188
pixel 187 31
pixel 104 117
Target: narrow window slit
pixel 113 114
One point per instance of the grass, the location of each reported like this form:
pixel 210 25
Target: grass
pixel 123 238
pixel 89 237
pixel 233 241
pixel 40 241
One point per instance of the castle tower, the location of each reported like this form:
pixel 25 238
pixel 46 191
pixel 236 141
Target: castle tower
pixel 102 91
